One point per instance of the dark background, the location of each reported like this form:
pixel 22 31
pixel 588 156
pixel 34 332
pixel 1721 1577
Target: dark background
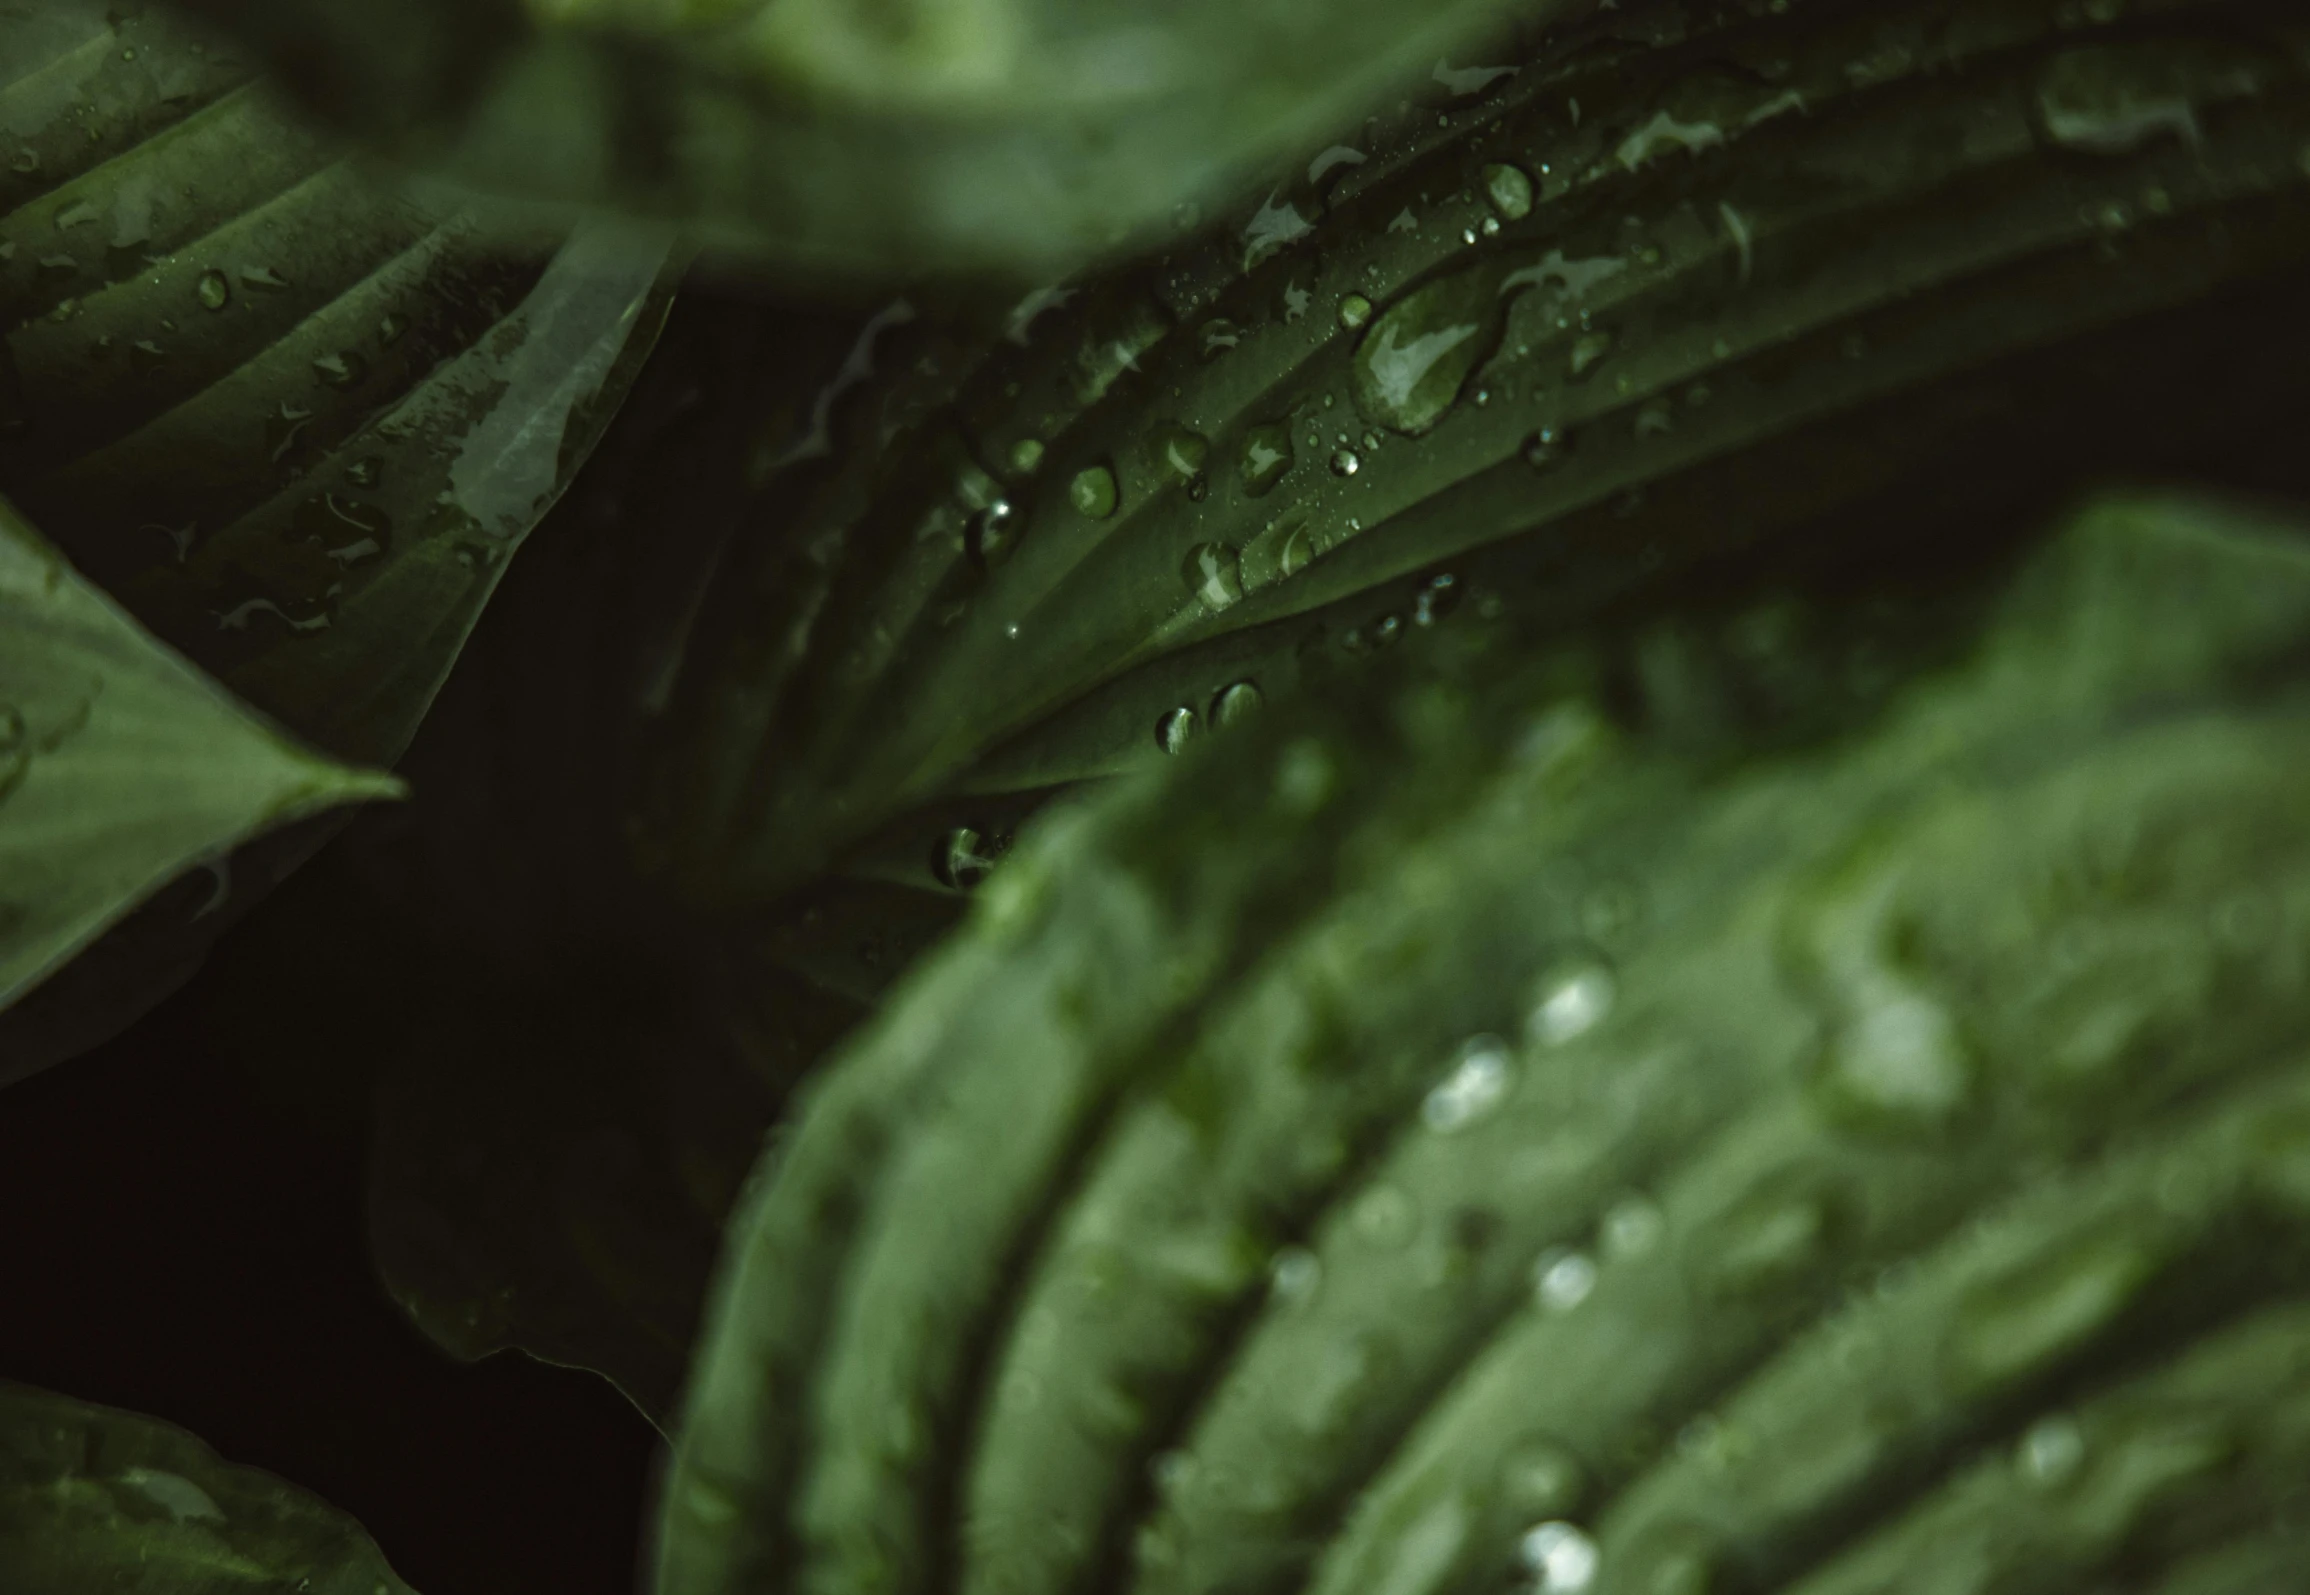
pixel 182 1237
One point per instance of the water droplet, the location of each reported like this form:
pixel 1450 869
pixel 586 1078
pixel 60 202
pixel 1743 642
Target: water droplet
pixel 1093 492
pixel 1235 704
pixel 343 369
pixel 993 532
pixel 213 291
pixel 1182 451
pixel 963 858
pixel 2051 1452
pixel 1411 365
pixel 262 277
pixel 1656 420
pixel 1214 574
pixel 1561 1559
pixel 1563 1279
pixel 1573 1000
pixel 174 1493
pixel 1027 456
pixel 1267 458
pixel 1588 352
pixel 1899 1062
pixel 1346 462
pixel 1631 1229
pixel 1295 1274
pixel 1540 1479
pixel 1437 600
pixel 390 328
pixel 1477 1084
pixel 1176 730
pixel 1509 190
pixel 1354 311
pixel 1384 1217
pixel 366 472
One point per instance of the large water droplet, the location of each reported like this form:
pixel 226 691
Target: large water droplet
pixel 1177 730
pixel 1477 1084
pixel 1214 574
pixel 1562 1279
pixel 1411 366
pixel 963 858
pixel 1509 190
pixel 1093 492
pixel 1560 1557
pixel 1232 705
pixel 1182 452
pixel 1573 999
pixel 1267 458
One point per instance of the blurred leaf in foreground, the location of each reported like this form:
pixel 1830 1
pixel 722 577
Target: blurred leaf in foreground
pixel 1012 137
pixel 1606 1162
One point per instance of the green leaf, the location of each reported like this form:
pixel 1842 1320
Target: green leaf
pixel 120 764
pixel 96 1498
pixel 1774 295
pixel 1667 1167
pixel 1012 137
pixel 295 414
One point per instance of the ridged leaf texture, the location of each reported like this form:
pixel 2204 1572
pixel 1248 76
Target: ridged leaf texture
pixel 120 764
pixel 293 413
pixel 95 1498
pixel 1601 1164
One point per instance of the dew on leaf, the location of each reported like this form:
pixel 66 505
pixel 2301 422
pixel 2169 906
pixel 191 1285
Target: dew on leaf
pixel 1562 1279
pixel 1267 458
pixel 1177 730
pixel 1572 1001
pixel 1093 492
pixel 1411 365
pixel 1510 191
pixel 1561 1558
pixel 1477 1084
pixel 1214 574
pixel 1232 705
pixel 213 291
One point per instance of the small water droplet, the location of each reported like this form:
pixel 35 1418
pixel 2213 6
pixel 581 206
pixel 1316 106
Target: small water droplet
pixel 1214 574
pixel 1573 1000
pixel 366 472
pixel 1384 1217
pixel 2051 1452
pixel 1437 600
pixel 1295 1274
pixel 343 369
pixel 1477 1084
pixel 1560 1557
pixel 1588 352
pixel 1346 462
pixel 1562 1279
pixel 262 277
pixel 1509 190
pixel 1354 311
pixel 993 532
pixel 213 291
pixel 1540 1479
pixel 1183 451
pixel 1235 704
pixel 1267 458
pixel 1176 730
pixel 1546 449
pixel 1093 492
pixel 390 328
pixel 1631 1229
pixel 1026 455
pixel 1656 420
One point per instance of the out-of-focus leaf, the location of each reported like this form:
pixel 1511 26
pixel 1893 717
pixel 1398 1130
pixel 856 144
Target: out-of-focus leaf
pixel 1013 137
pixel 120 764
pixel 1595 1165
pixel 93 1498
pixel 294 417
pixel 1700 285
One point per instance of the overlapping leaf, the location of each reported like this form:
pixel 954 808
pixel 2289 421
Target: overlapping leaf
pixel 1606 1168
pixel 837 137
pixel 95 1498
pixel 294 418
pixel 120 764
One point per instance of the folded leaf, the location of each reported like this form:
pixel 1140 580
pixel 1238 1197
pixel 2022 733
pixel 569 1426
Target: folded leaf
pixel 1627 1165
pixel 95 1498
pixel 120 764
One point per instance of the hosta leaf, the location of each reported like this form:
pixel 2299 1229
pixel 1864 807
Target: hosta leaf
pixel 1015 137
pixel 294 417
pixel 1697 285
pixel 120 764
pixel 1651 1168
pixel 95 1498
